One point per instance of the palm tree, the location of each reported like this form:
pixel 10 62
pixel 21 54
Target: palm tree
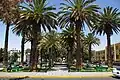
pixel 5 58
pixel 108 22
pixel 22 47
pixel 24 35
pixel 78 12
pixel 8 23
pixel 91 40
pixel 21 29
pixel 69 40
pixel 37 15
pixel 50 42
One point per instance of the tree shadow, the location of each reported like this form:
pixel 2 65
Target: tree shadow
pixel 63 68
pixel 115 77
pixel 19 78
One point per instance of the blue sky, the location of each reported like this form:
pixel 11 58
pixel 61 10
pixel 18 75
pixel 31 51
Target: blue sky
pixel 14 41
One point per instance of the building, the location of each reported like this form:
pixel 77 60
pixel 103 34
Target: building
pixel 99 55
pixel 102 54
pixel 26 55
pixel 116 51
pixel 12 52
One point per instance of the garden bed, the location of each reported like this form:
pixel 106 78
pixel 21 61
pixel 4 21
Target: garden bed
pixel 91 69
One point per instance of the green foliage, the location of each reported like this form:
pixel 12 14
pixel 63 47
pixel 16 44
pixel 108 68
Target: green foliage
pixel 92 40
pixel 39 13
pixel 14 57
pixel 77 10
pixel 68 37
pixel 108 21
pixel 51 39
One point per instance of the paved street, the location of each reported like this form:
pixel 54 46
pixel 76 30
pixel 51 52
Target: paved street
pixel 107 78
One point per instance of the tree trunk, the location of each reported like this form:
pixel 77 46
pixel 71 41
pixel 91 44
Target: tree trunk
pixel 82 51
pixel 69 58
pixel 90 54
pixel 34 47
pixel 49 51
pixel 5 58
pixel 31 55
pixel 109 57
pixel 52 56
pixel 22 47
pixel 37 56
pixel 78 51
pixel 41 58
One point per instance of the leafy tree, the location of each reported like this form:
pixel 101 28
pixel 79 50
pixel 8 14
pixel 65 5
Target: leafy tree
pixel 8 12
pixel 14 57
pixel 108 22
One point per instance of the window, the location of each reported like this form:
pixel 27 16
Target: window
pixel 116 47
pixel 117 56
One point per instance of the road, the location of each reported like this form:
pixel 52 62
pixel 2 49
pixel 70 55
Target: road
pixel 107 78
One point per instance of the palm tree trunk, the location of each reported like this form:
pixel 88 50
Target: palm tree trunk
pixel 69 57
pixel 109 57
pixel 49 51
pixel 34 62
pixel 31 55
pixel 82 51
pixel 90 53
pixel 52 56
pixel 41 57
pixel 5 58
pixel 78 51
pixel 22 47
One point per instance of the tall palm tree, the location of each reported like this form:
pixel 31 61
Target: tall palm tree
pixel 37 14
pixel 24 34
pixel 78 12
pixel 91 40
pixel 5 58
pixel 22 47
pixel 108 22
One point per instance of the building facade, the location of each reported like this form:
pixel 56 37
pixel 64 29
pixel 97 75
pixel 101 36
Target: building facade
pixel 102 54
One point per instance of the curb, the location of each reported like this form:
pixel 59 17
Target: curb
pixel 103 76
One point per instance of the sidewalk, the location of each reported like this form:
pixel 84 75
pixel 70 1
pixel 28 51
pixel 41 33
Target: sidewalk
pixel 55 74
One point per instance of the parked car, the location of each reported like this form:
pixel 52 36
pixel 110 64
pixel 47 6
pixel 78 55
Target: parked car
pixel 116 72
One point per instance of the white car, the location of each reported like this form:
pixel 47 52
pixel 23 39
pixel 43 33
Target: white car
pixel 116 72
